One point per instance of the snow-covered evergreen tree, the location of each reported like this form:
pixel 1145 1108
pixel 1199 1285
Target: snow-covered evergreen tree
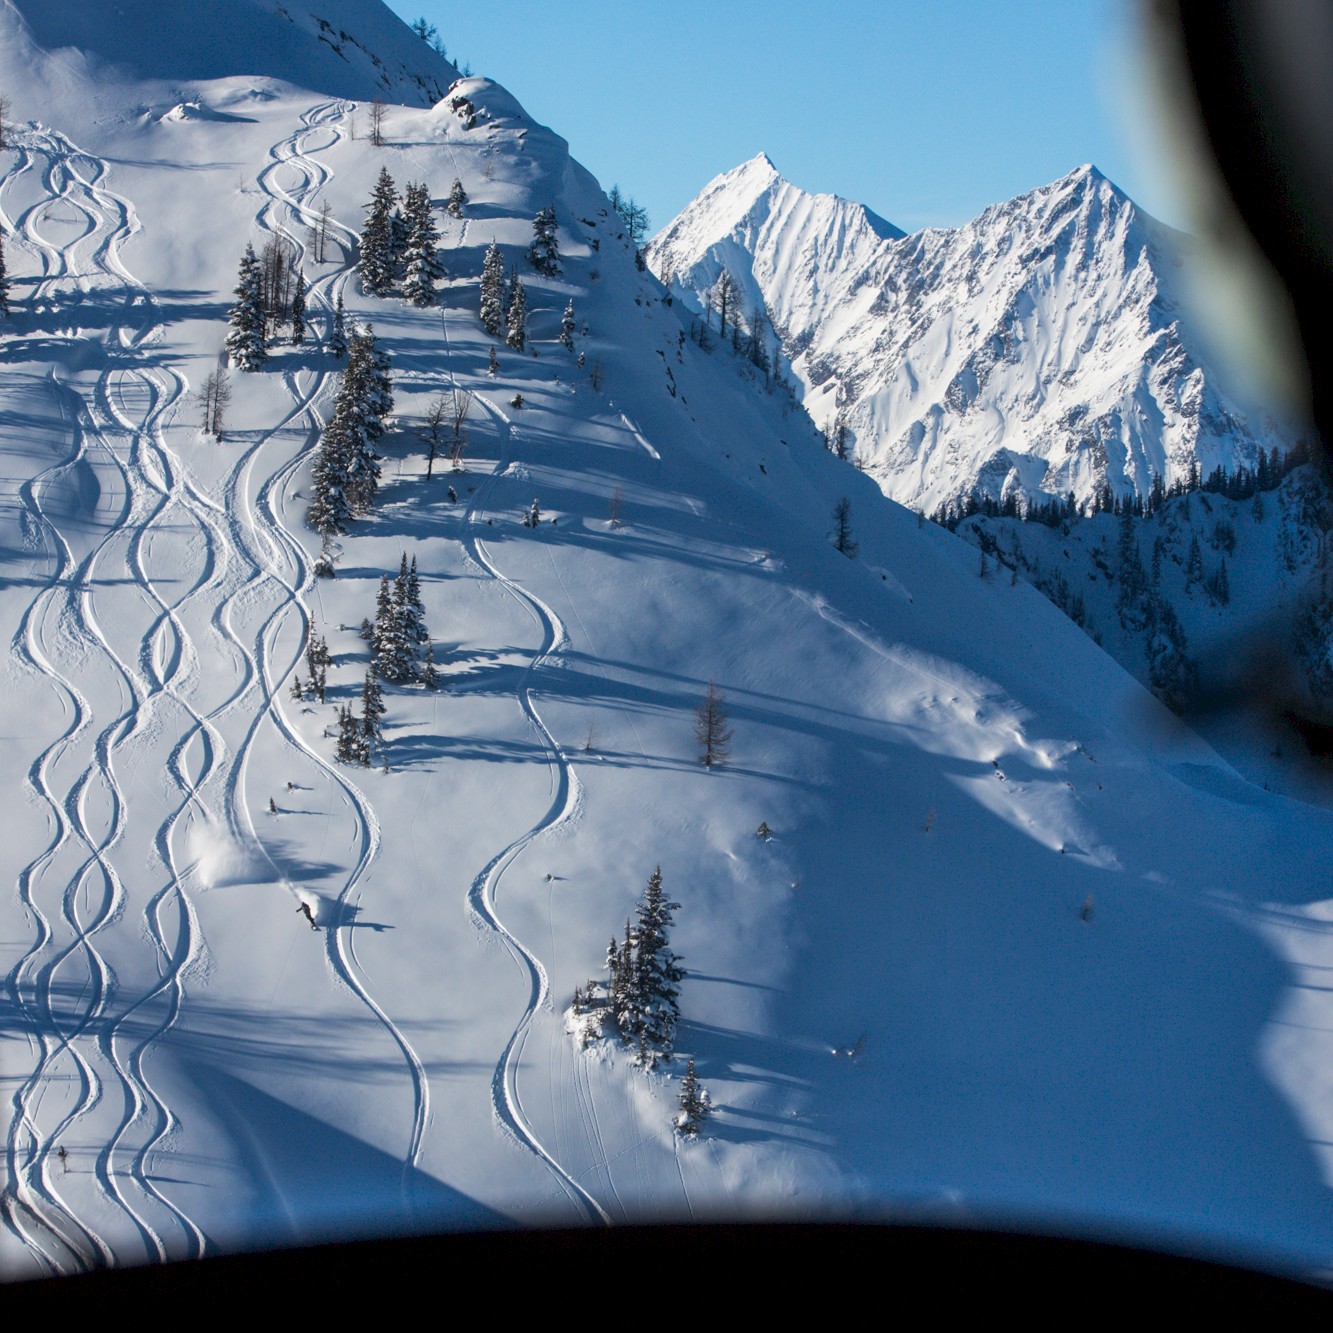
pixel 338 334
pixel 347 469
pixel 694 1104
pixel 330 505
pixel 492 290
pixel 457 198
pixel 544 252
pixel 372 709
pixel 245 341
pixel 376 265
pixel 567 325
pixel 4 279
pixel 298 310
pixel 657 972
pixel 420 256
pixel 430 677
pixel 352 747
pixel 517 337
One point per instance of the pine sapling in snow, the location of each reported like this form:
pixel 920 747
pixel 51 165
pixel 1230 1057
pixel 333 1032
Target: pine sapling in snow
pixel 457 198
pixel 567 326
pixel 4 279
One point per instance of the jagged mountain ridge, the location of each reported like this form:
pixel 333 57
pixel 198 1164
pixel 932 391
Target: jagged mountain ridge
pixel 1037 349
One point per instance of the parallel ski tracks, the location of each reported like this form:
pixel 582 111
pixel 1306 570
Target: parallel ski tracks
pixel 288 212
pixel 91 1030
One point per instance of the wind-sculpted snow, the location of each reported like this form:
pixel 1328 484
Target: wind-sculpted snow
pixel 1039 350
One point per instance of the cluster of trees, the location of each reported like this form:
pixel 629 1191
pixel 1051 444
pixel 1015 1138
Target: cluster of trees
pixel 640 997
pixel 213 397
pixel 504 305
pixel 270 293
pixel 318 659
pixel 347 470
pixel 634 216
pixel 1244 482
pixel 398 633
pixel 544 252
pixel 449 411
pixel 400 244
pixel 359 738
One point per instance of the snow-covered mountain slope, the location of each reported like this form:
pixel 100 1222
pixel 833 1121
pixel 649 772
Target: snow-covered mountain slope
pixel 1016 946
pixel 1037 349
pixel 1213 596
pixel 347 48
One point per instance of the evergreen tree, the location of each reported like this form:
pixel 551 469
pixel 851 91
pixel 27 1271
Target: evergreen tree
pixel 518 319
pixel 416 609
pixel 710 728
pixel 492 290
pixel 567 326
pixel 377 242
pixel 351 743
pixel 245 341
pixel 493 364
pixel 1194 564
pixel 347 470
pixel 457 198
pixel 657 973
pixel 420 255
pixel 372 709
pixel 338 335
pixel 430 678
pixel 544 252
pixel 4 279
pixel 694 1104
pixel 298 310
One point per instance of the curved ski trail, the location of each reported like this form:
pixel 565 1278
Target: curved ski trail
pixel 506 1098
pixel 287 211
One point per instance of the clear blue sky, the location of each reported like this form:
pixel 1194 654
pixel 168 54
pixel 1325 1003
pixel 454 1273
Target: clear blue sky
pixel 927 111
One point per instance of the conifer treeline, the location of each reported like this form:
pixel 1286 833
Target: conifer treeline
pixel 1267 474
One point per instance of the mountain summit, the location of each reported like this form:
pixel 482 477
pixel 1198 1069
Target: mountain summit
pixel 1039 349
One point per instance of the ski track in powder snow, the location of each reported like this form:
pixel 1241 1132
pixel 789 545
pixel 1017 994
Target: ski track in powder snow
pixel 287 210
pixel 506 1101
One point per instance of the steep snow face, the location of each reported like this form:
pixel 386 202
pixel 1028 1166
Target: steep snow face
pixel 1037 349
pixel 347 48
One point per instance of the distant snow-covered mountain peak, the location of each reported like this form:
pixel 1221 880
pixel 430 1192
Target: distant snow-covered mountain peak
pixel 1038 349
